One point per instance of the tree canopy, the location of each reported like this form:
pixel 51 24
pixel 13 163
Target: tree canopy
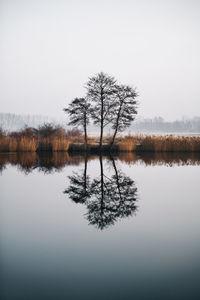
pixel 106 103
pixel 79 112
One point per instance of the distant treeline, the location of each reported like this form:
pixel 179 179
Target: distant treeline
pixel 13 122
pixel 158 124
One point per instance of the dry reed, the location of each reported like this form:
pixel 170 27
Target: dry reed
pixel 53 144
pixel 152 143
pixel 134 143
pixel 27 144
pixel 127 144
pixel 4 144
pixel 60 144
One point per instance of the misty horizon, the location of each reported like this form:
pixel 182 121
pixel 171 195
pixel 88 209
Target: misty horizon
pixel 11 122
pixel 49 49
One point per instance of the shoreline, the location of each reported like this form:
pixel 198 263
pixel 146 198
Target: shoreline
pixel 129 143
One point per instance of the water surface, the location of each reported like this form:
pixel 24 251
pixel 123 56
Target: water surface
pixel 80 227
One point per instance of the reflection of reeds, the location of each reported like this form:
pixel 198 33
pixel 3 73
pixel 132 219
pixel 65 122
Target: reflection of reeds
pixel 27 161
pixel 50 162
pixel 160 158
pixel 55 161
pixel 127 157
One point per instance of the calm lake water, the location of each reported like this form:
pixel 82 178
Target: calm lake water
pixel 78 227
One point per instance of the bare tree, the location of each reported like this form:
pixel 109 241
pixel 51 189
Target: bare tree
pixel 124 110
pixel 101 91
pixel 79 110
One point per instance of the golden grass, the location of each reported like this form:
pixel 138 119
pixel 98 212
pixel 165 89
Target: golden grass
pixel 29 144
pixel 4 144
pixel 153 143
pixel 127 144
pixel 8 144
pixel 60 144
pixel 13 144
pixel 130 143
pixel 53 144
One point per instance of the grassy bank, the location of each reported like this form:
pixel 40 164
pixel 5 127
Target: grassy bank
pixel 45 138
pixel 153 143
pixel 28 144
pixel 53 139
pixel 142 143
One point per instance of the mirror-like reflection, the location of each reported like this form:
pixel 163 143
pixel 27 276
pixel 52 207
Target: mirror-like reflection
pixel 49 250
pixel 79 189
pixel 56 161
pixel 107 198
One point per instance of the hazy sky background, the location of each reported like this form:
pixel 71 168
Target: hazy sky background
pixel 49 48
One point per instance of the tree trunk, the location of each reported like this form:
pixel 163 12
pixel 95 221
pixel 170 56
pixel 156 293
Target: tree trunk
pixel 102 111
pixel 101 137
pixel 114 135
pixel 85 133
pixel 117 178
pixel 117 125
pixel 85 174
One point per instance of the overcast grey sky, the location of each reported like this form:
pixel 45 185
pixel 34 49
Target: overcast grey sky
pixel 50 47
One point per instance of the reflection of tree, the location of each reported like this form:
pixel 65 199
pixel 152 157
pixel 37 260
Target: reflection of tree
pixel 2 167
pixel 114 198
pixel 107 198
pixel 78 189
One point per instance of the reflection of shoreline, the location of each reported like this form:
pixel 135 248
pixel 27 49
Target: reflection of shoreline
pixel 161 158
pixel 51 162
